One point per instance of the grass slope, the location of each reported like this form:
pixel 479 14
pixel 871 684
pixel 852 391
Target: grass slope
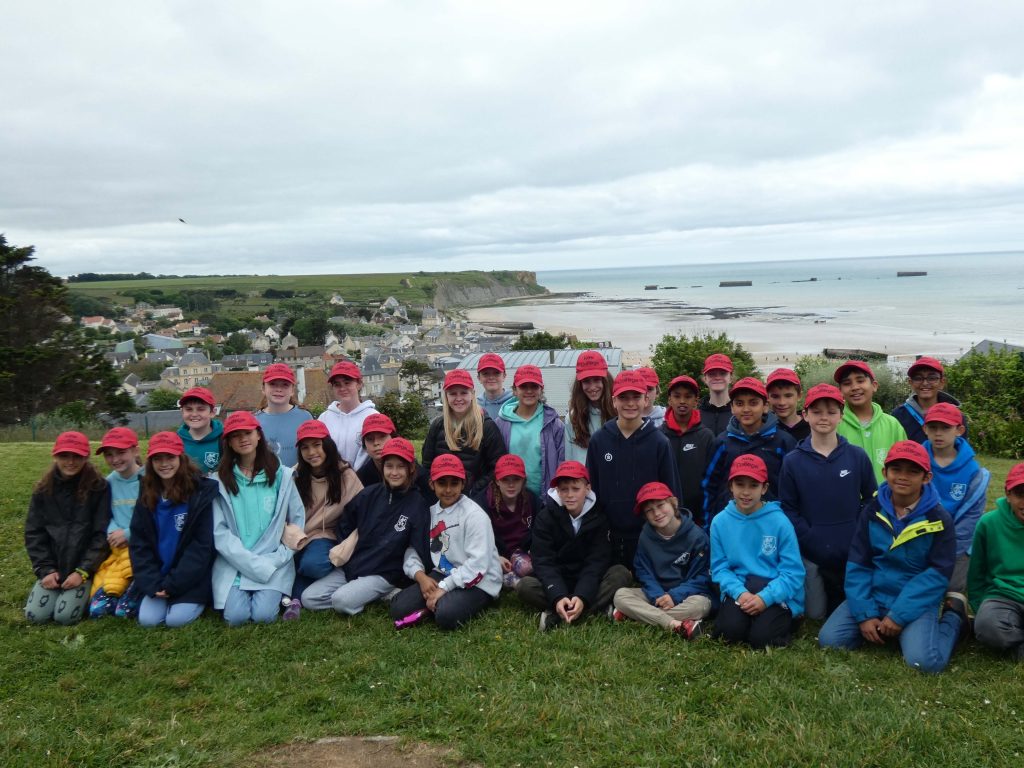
pixel 108 693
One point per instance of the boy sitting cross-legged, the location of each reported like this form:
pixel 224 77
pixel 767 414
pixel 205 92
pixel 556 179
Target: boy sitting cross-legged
pixel 672 561
pixel 572 559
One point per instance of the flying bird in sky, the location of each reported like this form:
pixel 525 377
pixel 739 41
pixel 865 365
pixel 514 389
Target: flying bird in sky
pixel 182 220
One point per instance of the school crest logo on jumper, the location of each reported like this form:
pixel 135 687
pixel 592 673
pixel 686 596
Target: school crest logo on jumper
pixel 211 459
pixel 400 523
pixel 768 545
pixel 607 457
pixel 179 521
pixel 957 491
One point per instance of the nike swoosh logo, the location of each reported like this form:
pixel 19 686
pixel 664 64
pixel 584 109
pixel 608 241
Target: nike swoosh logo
pixel 689 447
pixel 844 472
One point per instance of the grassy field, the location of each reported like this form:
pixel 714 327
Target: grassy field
pixel 353 288
pixel 499 693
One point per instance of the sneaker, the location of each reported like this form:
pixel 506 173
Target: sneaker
pixel 128 604
pixel 102 604
pixel 292 610
pixel 957 603
pixel 690 629
pixel 614 614
pixel 548 620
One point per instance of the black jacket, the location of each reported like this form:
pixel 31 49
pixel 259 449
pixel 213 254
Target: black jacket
pixel 62 534
pixel 479 464
pixel 691 448
pixel 569 563
pixel 188 580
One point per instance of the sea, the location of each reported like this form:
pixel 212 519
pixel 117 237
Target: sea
pixel 790 308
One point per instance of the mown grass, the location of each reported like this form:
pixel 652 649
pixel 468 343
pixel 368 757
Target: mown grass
pixel 498 692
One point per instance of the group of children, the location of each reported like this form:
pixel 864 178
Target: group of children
pixel 666 516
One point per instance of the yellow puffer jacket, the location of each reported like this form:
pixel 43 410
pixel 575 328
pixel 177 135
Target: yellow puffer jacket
pixel 115 574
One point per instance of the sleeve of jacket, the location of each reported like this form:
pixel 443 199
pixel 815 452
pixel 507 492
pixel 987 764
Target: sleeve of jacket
pixel 353 514
pixel 860 569
pixel 790 580
pixel 142 549
pixel 925 591
pixel 480 552
pixel 978 573
pixel 789 499
pixel 429 450
pixel 668 470
pixel 593 454
pixel 197 556
pixel 599 559
pixel 728 582
pixel 37 539
pixel 98 549
pixel 714 478
pixel 544 554
pixel 971 510
pixel 259 568
pixel 868 482
pixel 492 448
pixel 644 571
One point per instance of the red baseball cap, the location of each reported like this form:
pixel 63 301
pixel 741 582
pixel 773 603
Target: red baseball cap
pixel 345 368
pixel 650 376
pixel 509 465
pixel 458 377
pixel 849 367
pixel 629 381
pixel 908 450
pixel 312 430
pixel 749 465
pixel 165 442
pixel 684 381
pixel 570 469
pixel 718 362
pixel 528 374
pixel 119 437
pixel 590 364
pixel 71 442
pixel 782 376
pixel 240 421
pixel 651 492
pixel 823 392
pixel 446 465
pixel 749 384
pixel 402 448
pixel 926 362
pixel 490 360
pixel 278 372
pixel 1016 477
pixel 198 393
pixel 378 422
pixel 945 413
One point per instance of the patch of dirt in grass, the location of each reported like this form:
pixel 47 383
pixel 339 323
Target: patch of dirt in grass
pixel 356 752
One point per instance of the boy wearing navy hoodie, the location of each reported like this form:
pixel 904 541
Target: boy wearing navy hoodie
pixel 959 480
pixel 573 572
pixel 823 485
pixel 624 454
pixel 752 430
pixel 898 571
pixel 690 440
pixel 672 566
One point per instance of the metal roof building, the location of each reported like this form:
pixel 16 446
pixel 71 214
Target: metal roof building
pixel 557 365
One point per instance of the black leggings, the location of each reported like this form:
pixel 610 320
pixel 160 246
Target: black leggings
pixel 773 626
pixel 453 610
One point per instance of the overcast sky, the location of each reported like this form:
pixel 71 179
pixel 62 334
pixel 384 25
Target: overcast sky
pixel 322 137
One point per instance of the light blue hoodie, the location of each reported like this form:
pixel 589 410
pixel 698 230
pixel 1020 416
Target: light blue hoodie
pixel 762 545
pixel 123 495
pixel 961 487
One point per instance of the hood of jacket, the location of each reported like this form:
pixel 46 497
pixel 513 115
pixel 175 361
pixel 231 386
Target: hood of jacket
pixel 766 509
pixel 216 427
pixel 364 407
pixel 768 428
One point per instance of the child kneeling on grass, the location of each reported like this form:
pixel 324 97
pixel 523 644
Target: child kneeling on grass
pixel 995 579
pixel 755 560
pixel 66 533
pixel 671 565
pixel 572 555
pixel 901 559
pixel 172 535
pixel 465 575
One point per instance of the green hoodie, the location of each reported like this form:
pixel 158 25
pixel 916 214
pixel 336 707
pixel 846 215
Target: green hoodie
pixel 997 557
pixel 206 451
pixel 876 438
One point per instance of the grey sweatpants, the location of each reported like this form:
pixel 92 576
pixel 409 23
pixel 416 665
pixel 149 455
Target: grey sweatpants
pixel 64 606
pixel 999 624
pixel 344 596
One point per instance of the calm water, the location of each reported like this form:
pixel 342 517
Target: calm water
pixel 852 303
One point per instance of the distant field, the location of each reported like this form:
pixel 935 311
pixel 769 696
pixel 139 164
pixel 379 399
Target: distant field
pixel 353 288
